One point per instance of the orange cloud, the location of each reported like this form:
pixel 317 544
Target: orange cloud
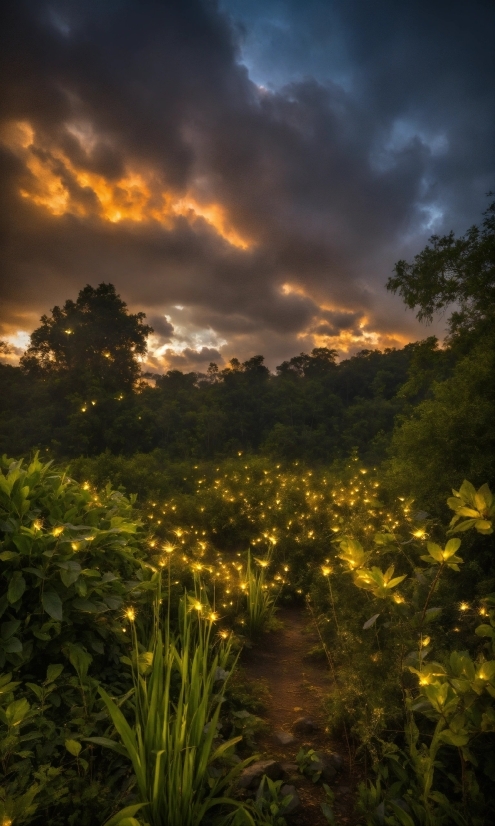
pixel 137 197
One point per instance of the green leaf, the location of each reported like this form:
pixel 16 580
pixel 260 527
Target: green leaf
pixel 435 551
pixel 73 747
pixel 451 547
pixel 485 631
pixel 17 586
pixel 107 743
pixel 52 605
pixel 89 607
pixel 16 711
pixel 128 811
pixel 53 672
pixel 80 659
pixel 8 629
pixel 13 646
pixel 8 555
pixel 37 689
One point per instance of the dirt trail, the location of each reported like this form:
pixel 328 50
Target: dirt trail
pixel 297 688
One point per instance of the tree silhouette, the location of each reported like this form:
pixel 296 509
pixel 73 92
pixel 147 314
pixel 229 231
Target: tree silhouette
pixel 91 342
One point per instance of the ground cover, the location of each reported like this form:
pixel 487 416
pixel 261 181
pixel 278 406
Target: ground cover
pixel 396 674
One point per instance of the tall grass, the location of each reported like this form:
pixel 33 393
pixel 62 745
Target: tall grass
pixel 260 600
pixel 177 704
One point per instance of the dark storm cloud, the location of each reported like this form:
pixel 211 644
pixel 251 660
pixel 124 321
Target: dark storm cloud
pixel 344 166
pixel 161 326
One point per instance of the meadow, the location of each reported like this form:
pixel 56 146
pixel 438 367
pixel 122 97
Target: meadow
pixel 150 534
pixel 123 622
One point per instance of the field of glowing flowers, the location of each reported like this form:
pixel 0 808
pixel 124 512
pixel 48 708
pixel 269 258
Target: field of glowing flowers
pixel 122 623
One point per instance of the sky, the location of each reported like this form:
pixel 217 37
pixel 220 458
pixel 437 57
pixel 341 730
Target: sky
pixel 246 172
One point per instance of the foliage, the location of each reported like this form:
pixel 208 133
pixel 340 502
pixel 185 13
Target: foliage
pixel 93 342
pixel 173 741
pixel 70 558
pixel 453 271
pixel 312 409
pixel 417 780
pixel 447 437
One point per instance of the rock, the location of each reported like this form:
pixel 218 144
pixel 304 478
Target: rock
pixel 294 803
pixel 285 738
pixel 337 760
pixel 251 775
pixel 326 764
pixel 290 768
pixel 304 725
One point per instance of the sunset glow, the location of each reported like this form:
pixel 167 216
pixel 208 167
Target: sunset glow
pixel 61 187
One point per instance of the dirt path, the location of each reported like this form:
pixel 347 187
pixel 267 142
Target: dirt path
pixel 297 688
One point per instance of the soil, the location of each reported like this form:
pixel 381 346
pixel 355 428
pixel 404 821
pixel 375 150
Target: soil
pixel 297 687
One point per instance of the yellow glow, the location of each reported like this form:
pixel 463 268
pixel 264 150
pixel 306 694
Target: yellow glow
pixel 464 606
pixel 139 196
pixel 58 530
pixel 130 614
pixel 37 524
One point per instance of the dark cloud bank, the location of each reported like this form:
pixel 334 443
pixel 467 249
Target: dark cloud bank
pixel 369 127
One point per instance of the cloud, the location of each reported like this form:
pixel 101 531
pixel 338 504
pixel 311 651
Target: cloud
pixel 136 148
pixel 161 326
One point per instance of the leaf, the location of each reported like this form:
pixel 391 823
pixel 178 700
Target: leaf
pixel 13 646
pixel 80 659
pixel 52 672
pixel 89 607
pixel 52 605
pixel 435 551
pixel 108 744
pixel 127 812
pixel 37 689
pixel 16 711
pixel 451 547
pixel 17 586
pixel 369 623
pixel 8 629
pixel 69 577
pixel 73 747
pixel 23 544
pixel 8 555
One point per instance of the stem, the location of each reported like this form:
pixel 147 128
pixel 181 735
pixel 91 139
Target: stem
pixel 334 675
pixel 430 593
pixel 333 606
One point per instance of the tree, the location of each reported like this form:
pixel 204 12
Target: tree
pixel 453 271
pixel 93 342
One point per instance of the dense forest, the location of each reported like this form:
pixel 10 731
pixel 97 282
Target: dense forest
pixel 141 511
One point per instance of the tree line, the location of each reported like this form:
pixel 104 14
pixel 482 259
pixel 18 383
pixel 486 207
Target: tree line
pixel 425 409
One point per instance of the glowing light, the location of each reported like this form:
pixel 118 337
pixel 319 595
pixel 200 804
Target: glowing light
pixel 464 606
pixel 37 524
pixel 57 531
pixel 130 613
